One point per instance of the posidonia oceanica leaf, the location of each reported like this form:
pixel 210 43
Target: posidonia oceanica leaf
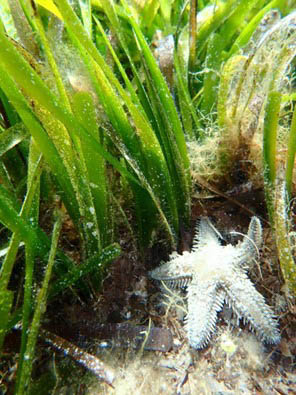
pixel 43 141
pixel 11 219
pixel 28 348
pixel 6 17
pixel 84 109
pixel 49 6
pixel 98 260
pixel 137 142
pixel 12 137
pixel 290 159
pixel 32 84
pixel 6 300
pixel 249 29
pixel 271 119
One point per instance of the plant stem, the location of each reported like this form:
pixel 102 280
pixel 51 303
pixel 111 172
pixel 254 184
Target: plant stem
pixel 25 365
pixel 192 42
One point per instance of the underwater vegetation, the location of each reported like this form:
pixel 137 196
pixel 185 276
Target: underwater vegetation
pixel 114 117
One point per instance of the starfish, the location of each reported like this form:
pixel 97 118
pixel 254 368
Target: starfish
pixel 214 274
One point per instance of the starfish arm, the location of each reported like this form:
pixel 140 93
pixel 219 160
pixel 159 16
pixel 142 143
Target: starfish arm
pixel 248 249
pixel 205 234
pixel 248 304
pixel 204 302
pixel 255 231
pixel 175 273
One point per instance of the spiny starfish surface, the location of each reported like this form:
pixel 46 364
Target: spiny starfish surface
pixel 213 274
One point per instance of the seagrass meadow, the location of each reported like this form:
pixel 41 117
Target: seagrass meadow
pixel 122 124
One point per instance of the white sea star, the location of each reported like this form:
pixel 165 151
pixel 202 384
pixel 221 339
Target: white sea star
pixel 214 274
